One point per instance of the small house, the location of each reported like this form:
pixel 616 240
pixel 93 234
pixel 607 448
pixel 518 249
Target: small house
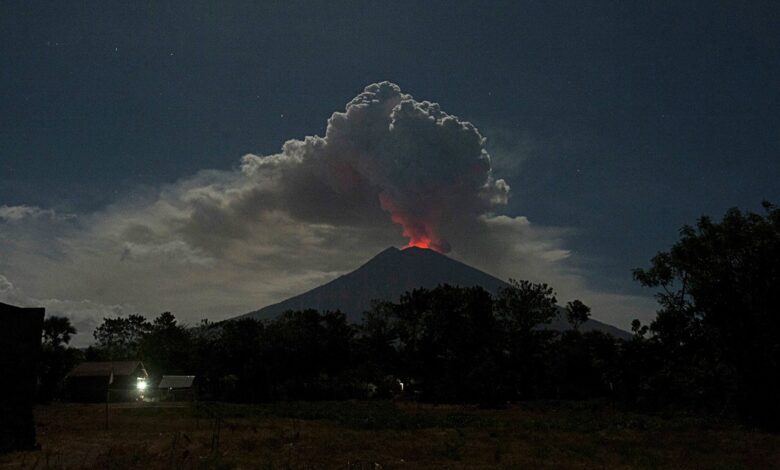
pixel 177 387
pixel 101 381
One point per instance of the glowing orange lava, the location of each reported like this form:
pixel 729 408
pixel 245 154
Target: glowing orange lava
pixel 417 234
pixel 420 229
pixel 420 243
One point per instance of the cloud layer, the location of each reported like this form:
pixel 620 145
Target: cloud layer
pixel 220 243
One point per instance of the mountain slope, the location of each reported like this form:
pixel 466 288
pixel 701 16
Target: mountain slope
pixel 391 273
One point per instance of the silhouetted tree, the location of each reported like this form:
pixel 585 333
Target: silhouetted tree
pixel 639 329
pixel 447 342
pixel 120 338
pixel 584 365
pixel 166 347
pixel 523 306
pixel 239 359
pixel 57 331
pixel 577 313
pixel 57 358
pixel 376 347
pixel 205 355
pixel 309 354
pixel 718 322
pixel 522 309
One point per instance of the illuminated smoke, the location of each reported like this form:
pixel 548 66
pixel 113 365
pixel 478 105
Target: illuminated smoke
pixel 426 168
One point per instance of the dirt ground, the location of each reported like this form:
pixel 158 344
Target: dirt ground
pixel 384 435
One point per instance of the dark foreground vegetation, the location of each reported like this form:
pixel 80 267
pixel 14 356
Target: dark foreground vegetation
pixel 714 347
pixel 380 434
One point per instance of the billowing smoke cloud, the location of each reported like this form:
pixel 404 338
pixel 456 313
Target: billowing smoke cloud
pixel 424 167
pixel 220 243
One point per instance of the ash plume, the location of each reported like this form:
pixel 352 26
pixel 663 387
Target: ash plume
pixel 427 169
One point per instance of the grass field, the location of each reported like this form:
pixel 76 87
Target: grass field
pixel 373 435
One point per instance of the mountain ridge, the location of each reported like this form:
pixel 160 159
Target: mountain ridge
pixel 392 272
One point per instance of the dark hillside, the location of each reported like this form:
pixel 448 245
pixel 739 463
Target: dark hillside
pixel 388 275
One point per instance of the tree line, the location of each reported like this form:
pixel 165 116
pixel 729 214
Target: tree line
pixel 714 345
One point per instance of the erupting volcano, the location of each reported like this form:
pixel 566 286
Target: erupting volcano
pixel 423 243
pixel 419 235
pixel 420 228
pixel 422 240
pixel 428 170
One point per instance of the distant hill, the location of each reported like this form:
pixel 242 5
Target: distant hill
pixel 388 275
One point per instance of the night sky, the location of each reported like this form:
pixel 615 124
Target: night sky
pixel 614 123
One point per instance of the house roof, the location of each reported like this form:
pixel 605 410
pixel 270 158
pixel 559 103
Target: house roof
pixel 7 308
pixel 104 369
pixel 176 381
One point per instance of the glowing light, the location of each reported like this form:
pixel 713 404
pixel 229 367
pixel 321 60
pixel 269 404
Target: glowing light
pixel 141 385
pixel 419 243
pixel 421 229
